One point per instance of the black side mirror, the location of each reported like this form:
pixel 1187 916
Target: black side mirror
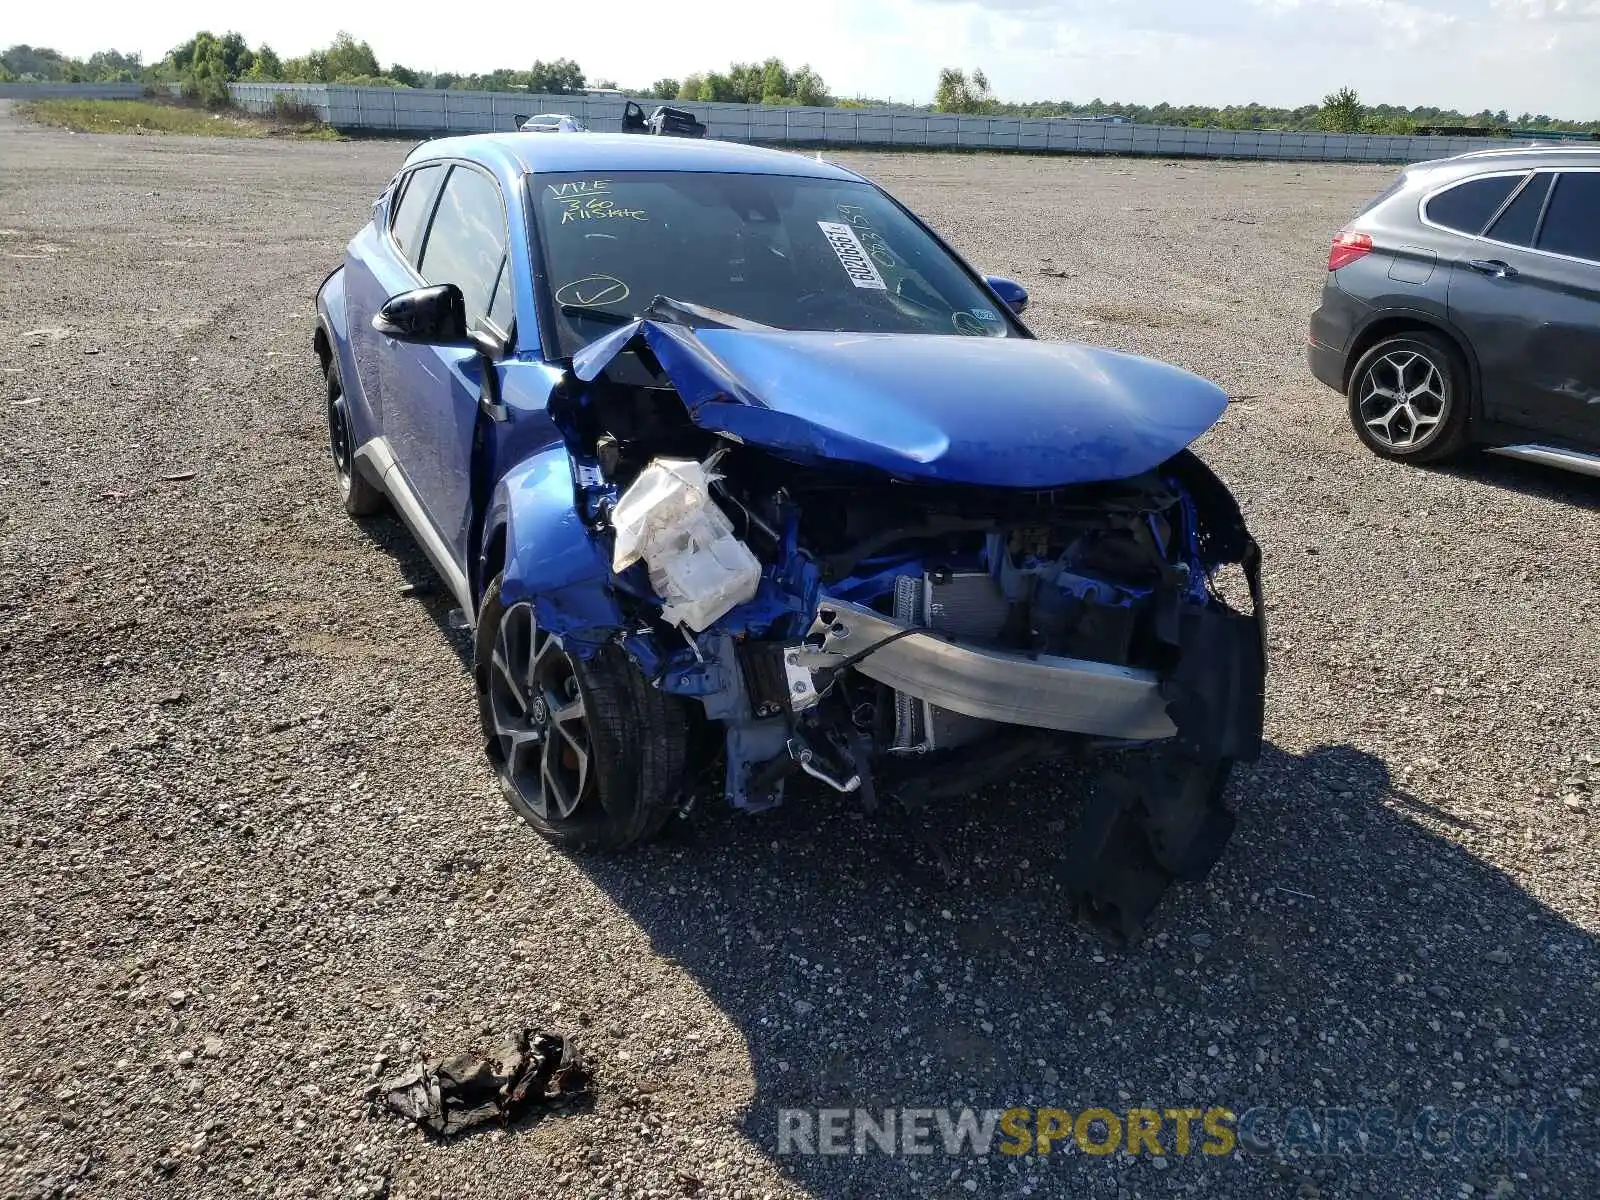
pixel 1010 291
pixel 432 316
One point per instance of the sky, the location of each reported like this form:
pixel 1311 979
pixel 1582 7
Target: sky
pixel 1540 56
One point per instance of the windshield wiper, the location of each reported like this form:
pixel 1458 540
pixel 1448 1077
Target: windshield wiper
pixel 604 315
pixel 687 312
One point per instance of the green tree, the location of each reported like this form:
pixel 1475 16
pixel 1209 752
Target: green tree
pixel 36 62
pixel 348 58
pixel 769 82
pixel 776 82
pixel 958 92
pixel 267 67
pixel 206 64
pixel 806 87
pixel 664 89
pixel 228 56
pixel 559 78
pixel 716 86
pixel 109 66
pixel 1341 111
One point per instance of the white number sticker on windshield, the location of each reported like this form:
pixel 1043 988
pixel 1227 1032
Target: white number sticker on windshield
pixel 852 255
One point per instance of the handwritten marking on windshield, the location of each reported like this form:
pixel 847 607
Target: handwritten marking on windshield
pixel 873 242
pixel 591 187
pixel 592 291
pixel 597 208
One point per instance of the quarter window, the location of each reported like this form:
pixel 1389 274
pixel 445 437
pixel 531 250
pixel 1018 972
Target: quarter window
pixel 1520 220
pixel 1572 222
pixel 1468 206
pixel 416 203
pixel 467 242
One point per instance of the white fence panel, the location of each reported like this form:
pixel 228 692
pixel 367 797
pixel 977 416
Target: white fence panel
pixel 74 91
pixel 416 111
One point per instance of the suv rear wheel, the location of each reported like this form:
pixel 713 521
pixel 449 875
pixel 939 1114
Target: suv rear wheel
pixel 1408 398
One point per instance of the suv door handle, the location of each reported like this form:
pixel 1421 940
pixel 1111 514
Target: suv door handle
pixel 1497 267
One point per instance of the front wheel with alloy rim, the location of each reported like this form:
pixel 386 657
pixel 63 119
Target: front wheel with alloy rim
pixel 1408 398
pixel 587 752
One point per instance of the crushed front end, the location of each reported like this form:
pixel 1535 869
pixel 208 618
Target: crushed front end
pixel 914 639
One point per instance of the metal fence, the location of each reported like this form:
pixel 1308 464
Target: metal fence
pixel 418 111
pixel 83 91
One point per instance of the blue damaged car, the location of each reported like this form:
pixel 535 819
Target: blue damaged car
pixel 736 466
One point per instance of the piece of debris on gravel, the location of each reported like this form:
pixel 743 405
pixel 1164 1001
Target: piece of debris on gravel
pixel 451 1094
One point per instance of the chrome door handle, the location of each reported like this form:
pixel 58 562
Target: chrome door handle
pixel 1499 268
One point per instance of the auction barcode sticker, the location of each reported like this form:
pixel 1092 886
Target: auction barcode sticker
pixel 852 254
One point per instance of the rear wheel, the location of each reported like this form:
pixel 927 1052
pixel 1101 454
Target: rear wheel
pixel 1409 398
pixel 587 752
pixel 361 499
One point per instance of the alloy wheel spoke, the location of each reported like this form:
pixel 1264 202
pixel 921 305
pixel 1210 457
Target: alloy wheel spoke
pixel 556 793
pixel 1385 421
pixel 514 685
pixel 545 657
pixel 541 728
pixel 518 744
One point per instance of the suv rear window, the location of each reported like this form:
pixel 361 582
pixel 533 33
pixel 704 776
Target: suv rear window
pixel 1572 222
pixel 1468 206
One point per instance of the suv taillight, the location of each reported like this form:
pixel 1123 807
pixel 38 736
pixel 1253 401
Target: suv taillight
pixel 1347 247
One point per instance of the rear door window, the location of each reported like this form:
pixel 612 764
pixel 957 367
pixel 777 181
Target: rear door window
pixel 467 242
pixel 1572 221
pixel 1468 206
pixel 1520 221
pixel 410 223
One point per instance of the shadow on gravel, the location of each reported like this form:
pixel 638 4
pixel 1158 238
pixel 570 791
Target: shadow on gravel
pixel 1341 954
pixel 1545 483
pixel 390 535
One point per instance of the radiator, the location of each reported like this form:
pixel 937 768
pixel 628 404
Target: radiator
pixel 966 607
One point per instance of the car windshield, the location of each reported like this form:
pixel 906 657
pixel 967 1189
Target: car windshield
pixel 782 250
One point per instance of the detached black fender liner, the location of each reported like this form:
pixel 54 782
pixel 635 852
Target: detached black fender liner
pixel 1216 695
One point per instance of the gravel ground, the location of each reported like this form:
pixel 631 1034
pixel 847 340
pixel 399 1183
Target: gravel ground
pixel 251 853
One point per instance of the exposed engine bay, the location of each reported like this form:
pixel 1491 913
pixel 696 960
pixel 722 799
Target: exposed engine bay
pixel 881 636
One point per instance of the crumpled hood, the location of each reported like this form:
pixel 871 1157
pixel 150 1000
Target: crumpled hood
pixel 1003 412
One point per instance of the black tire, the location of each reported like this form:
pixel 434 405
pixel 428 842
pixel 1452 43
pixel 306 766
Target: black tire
pixel 1402 381
pixel 361 498
pixel 633 743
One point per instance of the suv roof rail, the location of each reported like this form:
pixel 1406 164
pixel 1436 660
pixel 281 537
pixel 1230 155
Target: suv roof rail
pixel 1530 148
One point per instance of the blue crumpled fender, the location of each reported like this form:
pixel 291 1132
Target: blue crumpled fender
pixel 552 560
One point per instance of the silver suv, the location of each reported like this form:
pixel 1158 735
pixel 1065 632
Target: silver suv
pixel 1462 306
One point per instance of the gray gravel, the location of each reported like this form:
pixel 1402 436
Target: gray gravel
pixel 250 853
